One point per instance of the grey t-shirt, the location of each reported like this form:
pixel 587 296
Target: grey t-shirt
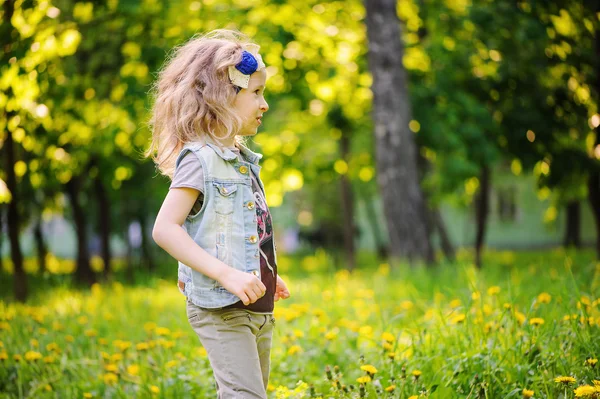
pixel 189 174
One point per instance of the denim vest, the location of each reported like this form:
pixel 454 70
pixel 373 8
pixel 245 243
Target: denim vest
pixel 226 224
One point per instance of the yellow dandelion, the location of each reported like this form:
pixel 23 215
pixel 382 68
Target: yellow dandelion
pixel 43 331
pixel 48 387
pixel 34 342
pixel 133 369
pixel 564 380
pixel 596 383
pixel 17 357
pixel 32 356
pixel 390 388
pixel 544 297
pixel 416 373
pixel 507 306
pixel 591 362
pixel 294 349
pixel 162 331
pixel 154 389
pixel 388 337
pixel 495 290
pixel 536 321
pixel 171 364
pixel 110 378
pixel 3 355
pixel 330 335
pixel 69 338
pixel 115 357
pixel 142 346
pixel 521 318
pixel 364 379
pixel 52 347
pixel 369 369
pixel 387 346
pixel 414 397
pixel 585 391
pixel 90 333
pixel 102 341
pixel 458 318
pixel 112 368
pixel 88 395
pixel 49 359
pixel 475 295
pixel 527 393
pixel 82 319
pixel 4 325
pixel 391 355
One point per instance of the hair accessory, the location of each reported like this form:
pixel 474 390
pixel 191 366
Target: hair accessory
pixel 250 63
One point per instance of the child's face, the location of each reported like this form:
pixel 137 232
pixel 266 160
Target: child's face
pixel 250 103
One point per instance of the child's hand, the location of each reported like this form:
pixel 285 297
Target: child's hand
pixel 245 286
pixel 281 290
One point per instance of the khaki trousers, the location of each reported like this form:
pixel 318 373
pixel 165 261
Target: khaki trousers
pixel 238 343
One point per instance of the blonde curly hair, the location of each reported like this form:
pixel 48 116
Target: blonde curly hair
pixel 193 96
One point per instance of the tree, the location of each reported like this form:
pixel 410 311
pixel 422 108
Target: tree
pixel 395 147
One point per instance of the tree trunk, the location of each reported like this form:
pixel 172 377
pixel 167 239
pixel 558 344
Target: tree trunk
pixel 42 250
pixel 395 147
pixel 594 177
pixel 104 225
pixel 14 222
pixel 1 232
pixel 382 250
pixel 447 247
pixel 348 229
pixel 146 251
pixel 481 211
pixel 84 273
pixel 573 225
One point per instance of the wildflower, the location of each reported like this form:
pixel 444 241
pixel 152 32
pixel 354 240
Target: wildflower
pixel 544 297
pixel 388 337
pixel 115 357
pixel 414 397
pixel 459 318
pixel 48 387
pixel 507 306
pixel 69 338
pixel 154 389
pixel 49 359
pixel 331 335
pixel 88 395
pixel 294 349
pixel 564 380
pixel 585 391
pixel 4 325
pixel 475 295
pixel 536 321
pixel 391 355
pixel 110 378
pixel 102 341
pixel 493 290
pixel 17 357
pixel 369 369
pixel 596 383
pixel 82 320
pixel 112 368
pixel 527 393
pixel 364 379
pixel 32 356
pixel 34 342
pixel 171 363
pixel 52 347
pixel 90 333
pixel 133 369
pixel 122 345
pixel 416 374
pixel 142 346
pixel 390 388
pixel 387 346
pixel 521 318
pixel 3 355
pixel 591 362
pixel 162 331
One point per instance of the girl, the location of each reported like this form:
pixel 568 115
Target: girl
pixel 214 219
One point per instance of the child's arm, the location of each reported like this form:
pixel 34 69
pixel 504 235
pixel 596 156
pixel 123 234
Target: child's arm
pixel 169 234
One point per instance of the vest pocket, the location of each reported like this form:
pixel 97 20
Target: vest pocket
pixel 225 197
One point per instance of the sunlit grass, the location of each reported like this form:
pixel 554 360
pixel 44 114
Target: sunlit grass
pixel 512 330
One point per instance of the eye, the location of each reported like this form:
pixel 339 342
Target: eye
pixel 257 91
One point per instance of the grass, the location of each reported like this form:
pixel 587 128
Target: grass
pixel 452 331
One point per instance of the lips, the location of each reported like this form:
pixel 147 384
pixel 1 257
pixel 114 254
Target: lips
pixel 259 120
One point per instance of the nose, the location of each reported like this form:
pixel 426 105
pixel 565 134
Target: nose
pixel 264 107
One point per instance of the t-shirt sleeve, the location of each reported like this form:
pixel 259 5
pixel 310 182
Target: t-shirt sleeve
pixel 189 173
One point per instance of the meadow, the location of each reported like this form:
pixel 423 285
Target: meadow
pixel 527 325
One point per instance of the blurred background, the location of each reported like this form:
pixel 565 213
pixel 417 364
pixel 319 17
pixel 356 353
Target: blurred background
pixel 499 106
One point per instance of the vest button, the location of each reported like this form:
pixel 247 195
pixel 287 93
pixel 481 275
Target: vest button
pixel 250 205
pixel 223 190
pixel 255 272
pixel 252 239
pixel 243 169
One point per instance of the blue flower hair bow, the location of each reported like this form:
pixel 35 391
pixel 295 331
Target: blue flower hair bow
pixel 250 63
